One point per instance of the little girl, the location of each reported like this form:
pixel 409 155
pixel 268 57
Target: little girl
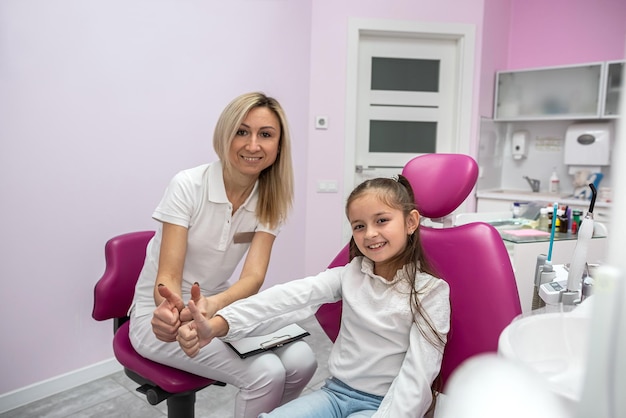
pixel 395 318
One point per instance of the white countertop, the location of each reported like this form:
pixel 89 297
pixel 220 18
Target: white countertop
pixel 528 196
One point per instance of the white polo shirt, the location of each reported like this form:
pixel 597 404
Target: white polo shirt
pixel 196 199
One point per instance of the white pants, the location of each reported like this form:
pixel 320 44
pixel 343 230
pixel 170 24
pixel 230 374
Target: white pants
pixel 265 381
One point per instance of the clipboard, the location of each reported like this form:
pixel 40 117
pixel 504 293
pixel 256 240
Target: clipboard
pixel 250 346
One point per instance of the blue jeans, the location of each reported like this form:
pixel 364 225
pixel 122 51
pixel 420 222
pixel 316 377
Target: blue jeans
pixel 334 400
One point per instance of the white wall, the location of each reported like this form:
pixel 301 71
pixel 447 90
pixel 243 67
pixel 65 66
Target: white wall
pixel 101 102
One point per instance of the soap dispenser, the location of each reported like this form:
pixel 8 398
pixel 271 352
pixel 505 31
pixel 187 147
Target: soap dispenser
pixel 520 144
pixel 554 182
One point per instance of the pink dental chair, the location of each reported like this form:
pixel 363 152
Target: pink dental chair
pixel 113 295
pixel 472 258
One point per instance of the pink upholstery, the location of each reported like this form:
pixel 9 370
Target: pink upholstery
pixel 329 314
pixel 472 258
pixel 167 378
pixel 113 295
pixel 440 182
pixel 124 256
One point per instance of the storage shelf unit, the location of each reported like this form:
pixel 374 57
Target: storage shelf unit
pixel 577 92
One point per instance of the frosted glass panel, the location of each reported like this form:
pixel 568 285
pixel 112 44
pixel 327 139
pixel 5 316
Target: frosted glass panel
pixel 614 85
pixel 402 74
pixel 403 136
pixel 560 92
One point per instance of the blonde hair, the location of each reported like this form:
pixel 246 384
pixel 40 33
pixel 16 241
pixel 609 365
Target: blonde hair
pixel 276 181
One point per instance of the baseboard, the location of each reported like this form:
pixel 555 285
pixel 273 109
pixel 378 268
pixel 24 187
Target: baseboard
pixel 57 384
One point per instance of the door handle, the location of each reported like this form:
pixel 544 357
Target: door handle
pixel 359 168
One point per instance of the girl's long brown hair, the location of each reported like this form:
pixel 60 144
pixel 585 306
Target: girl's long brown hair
pixel 398 194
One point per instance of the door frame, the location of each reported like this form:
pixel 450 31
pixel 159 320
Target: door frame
pixel 463 34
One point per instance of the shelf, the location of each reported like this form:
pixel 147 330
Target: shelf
pixel 526 196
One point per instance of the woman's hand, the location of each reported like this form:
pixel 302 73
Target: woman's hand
pixel 195 334
pixel 166 317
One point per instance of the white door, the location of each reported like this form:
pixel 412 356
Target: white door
pixel 406 94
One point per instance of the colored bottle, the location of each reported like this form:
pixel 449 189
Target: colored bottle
pixel 550 216
pixel 576 215
pixel 563 220
pixel 557 225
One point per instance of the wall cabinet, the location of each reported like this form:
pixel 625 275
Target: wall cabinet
pixel 612 88
pixel 586 91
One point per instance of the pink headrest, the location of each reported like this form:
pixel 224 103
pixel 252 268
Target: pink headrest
pixel 441 182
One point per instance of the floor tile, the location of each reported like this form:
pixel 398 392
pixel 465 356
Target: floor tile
pixel 115 396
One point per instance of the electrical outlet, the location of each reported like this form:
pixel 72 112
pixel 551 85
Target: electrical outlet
pixel 321 122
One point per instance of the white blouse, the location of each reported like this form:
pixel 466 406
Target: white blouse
pixel 379 349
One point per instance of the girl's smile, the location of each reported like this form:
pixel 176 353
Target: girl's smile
pixel 379 231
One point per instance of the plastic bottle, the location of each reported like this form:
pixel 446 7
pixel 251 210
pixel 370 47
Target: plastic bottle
pixel 516 210
pixel 563 220
pixel 550 216
pixel 576 215
pixel 554 182
pixel 544 220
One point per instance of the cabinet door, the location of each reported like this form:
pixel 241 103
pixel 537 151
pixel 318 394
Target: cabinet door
pixel 494 205
pixel 567 92
pixel 612 88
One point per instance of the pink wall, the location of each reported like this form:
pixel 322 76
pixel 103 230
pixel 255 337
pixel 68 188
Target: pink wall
pixel 521 34
pixel 560 32
pixel 494 50
pixel 328 97
pixel 101 103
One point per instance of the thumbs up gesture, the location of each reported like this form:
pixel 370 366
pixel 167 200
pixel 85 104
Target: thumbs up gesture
pixel 199 326
pixel 206 305
pixel 166 317
pixel 196 296
pixel 197 333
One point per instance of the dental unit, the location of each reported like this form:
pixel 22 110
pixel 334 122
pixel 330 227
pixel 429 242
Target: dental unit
pixel 553 288
pixel 545 273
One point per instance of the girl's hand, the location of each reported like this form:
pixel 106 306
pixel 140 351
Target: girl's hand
pixel 194 335
pixel 206 305
pixel 166 317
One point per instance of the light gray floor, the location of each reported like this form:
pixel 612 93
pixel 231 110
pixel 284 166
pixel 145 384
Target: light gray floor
pixel 115 395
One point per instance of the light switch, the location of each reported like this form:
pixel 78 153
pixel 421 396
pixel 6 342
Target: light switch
pixel 327 186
